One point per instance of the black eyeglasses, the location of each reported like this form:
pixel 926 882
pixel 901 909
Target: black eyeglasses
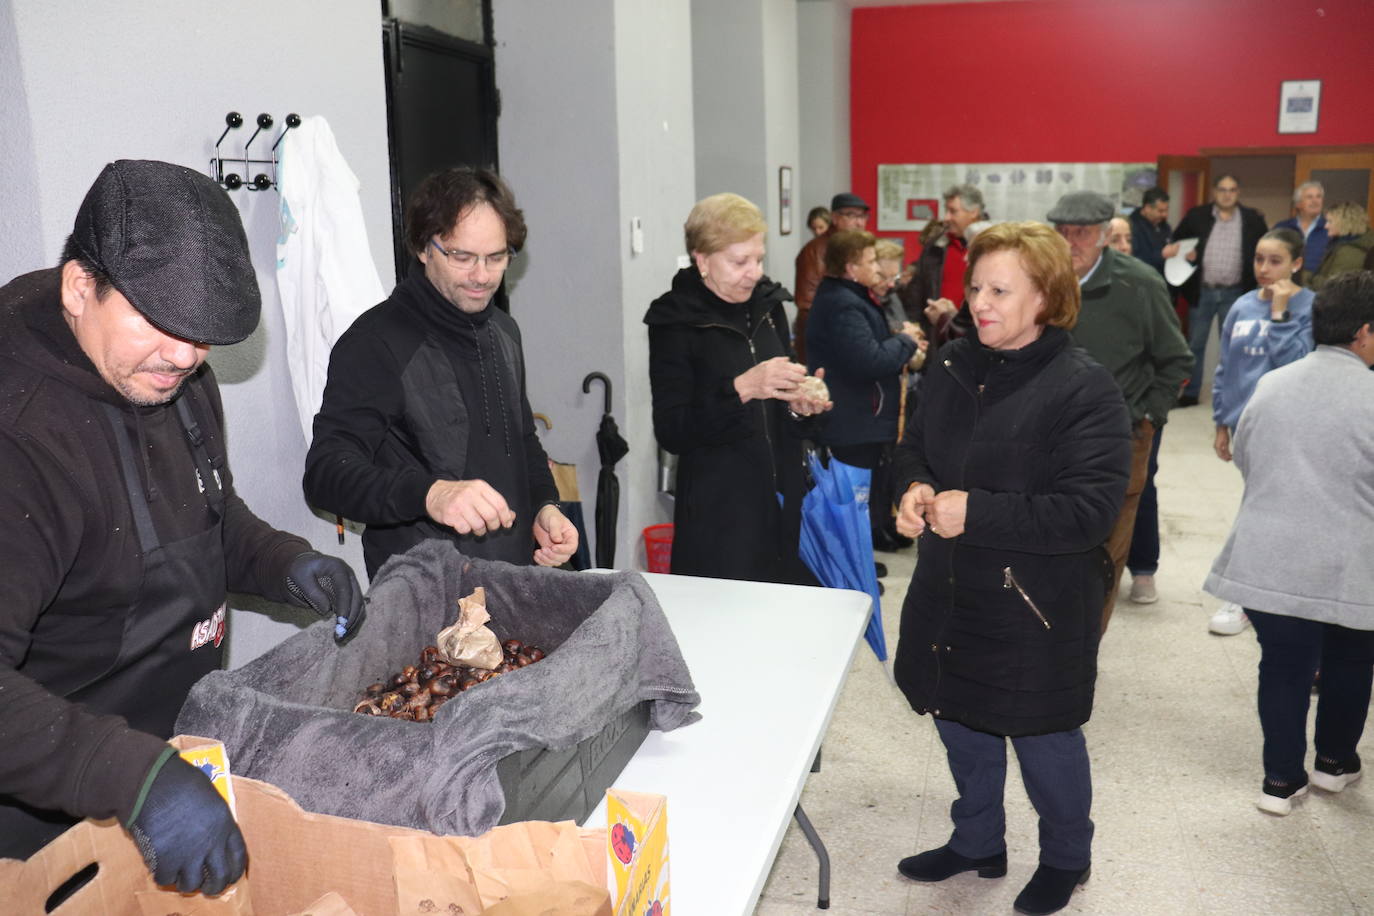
pixel 466 260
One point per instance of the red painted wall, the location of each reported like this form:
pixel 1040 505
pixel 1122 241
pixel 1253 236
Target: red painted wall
pixel 1099 80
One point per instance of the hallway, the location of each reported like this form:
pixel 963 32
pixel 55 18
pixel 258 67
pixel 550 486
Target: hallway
pixel 1175 746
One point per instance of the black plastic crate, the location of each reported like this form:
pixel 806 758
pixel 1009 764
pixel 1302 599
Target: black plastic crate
pixel 547 785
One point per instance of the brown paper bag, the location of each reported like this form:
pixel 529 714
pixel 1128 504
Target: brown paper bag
pixel 569 898
pixel 331 904
pixel 469 642
pixel 474 873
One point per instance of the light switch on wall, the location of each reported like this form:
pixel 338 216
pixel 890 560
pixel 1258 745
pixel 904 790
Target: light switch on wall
pixel 636 235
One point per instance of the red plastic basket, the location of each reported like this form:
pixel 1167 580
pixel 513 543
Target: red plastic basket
pixel 658 548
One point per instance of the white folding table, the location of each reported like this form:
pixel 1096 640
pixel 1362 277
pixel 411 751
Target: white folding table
pixel 768 661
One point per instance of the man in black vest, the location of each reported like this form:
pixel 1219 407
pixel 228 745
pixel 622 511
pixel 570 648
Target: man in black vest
pixel 121 532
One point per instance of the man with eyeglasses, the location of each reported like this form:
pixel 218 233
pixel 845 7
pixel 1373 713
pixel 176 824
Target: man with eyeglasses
pixel 1128 325
pixel 1227 233
pixel 425 429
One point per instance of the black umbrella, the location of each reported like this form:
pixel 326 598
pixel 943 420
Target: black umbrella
pixel 612 447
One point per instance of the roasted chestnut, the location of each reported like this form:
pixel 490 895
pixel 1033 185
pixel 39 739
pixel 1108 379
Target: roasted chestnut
pixel 375 690
pixel 409 672
pixel 511 646
pixel 533 653
pixel 523 660
pixel 445 685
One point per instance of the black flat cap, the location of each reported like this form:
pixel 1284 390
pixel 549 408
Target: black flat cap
pixel 1082 208
pixel 847 201
pixel 172 243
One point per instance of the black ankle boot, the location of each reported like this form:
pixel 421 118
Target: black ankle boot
pixel 942 863
pixel 1049 890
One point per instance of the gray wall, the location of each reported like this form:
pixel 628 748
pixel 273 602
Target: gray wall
pixel 745 95
pixel 823 88
pixel 90 82
pixel 595 130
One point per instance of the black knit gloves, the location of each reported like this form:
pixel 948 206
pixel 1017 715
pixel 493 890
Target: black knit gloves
pixel 328 587
pixel 185 831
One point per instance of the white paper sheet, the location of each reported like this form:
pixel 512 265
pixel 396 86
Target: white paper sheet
pixel 1178 269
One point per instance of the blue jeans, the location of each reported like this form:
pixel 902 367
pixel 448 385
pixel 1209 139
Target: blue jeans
pixel 1291 651
pixel 1143 560
pixel 1212 303
pixel 1054 768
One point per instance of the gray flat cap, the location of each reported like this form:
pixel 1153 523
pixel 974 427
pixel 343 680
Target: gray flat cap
pixel 171 241
pixel 1081 208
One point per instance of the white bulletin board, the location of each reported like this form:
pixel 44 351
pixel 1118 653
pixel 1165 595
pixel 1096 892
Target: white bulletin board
pixel 910 195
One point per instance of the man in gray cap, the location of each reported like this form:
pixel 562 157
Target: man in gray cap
pixel 847 211
pixel 121 529
pixel 1127 325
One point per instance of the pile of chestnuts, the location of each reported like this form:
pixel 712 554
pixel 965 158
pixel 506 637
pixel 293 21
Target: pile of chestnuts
pixel 417 691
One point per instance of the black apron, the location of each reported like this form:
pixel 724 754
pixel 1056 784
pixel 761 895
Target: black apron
pixel 168 639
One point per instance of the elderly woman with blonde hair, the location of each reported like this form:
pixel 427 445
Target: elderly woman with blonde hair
pixel 731 403
pixel 1012 474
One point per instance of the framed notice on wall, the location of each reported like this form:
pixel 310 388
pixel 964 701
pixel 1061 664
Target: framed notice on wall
pixel 1299 103
pixel 785 200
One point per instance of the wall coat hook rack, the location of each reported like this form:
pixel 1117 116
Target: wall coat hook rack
pixel 232 181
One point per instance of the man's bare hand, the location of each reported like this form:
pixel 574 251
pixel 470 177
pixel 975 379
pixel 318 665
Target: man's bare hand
pixel 468 506
pixel 556 536
pixel 1222 444
pixel 938 308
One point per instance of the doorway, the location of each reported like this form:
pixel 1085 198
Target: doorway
pixel 442 109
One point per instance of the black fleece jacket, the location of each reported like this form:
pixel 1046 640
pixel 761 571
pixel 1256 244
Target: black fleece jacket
pixel 419 391
pixel 69 553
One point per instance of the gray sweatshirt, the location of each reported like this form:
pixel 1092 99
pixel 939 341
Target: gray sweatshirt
pixel 1300 545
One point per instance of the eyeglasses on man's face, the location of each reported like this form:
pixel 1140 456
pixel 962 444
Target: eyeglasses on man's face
pixel 466 260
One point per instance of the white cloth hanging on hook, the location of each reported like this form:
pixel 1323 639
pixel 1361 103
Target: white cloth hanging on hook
pixel 325 273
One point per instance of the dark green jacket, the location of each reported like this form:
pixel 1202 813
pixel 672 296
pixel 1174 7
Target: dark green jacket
pixel 1345 253
pixel 1128 325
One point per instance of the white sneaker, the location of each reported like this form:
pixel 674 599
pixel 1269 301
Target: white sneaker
pixel 1229 620
pixel 1143 590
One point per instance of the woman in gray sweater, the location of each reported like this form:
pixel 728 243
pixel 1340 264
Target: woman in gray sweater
pixel 1297 558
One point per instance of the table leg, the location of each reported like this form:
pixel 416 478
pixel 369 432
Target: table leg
pixel 814 838
pixel 816 764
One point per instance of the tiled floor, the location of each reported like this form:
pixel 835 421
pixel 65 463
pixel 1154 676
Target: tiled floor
pixel 1175 746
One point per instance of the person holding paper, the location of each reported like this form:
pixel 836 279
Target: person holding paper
pixel 1227 233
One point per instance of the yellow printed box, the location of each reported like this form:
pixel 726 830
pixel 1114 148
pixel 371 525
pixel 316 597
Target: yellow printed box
pixel 211 759
pixel 637 840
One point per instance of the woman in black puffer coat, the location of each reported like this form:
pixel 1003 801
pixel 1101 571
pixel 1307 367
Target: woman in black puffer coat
pixel 728 402
pixel 1013 472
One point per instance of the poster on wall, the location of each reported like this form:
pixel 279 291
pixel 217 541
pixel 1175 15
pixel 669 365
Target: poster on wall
pixel 909 196
pixel 1299 104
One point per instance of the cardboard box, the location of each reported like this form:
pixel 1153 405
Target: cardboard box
pixel 310 863
pixel 637 850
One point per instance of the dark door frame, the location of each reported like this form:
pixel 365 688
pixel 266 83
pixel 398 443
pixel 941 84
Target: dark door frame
pixel 397 34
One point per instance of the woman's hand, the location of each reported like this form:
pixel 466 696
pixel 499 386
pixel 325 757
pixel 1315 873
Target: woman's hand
pixel 1279 294
pixel 1222 445
pixel 772 378
pixel 804 404
pixel 912 330
pixel 912 509
pixel 945 513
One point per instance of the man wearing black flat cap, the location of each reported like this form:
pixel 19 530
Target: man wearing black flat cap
pixel 848 211
pixel 120 531
pixel 1126 324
